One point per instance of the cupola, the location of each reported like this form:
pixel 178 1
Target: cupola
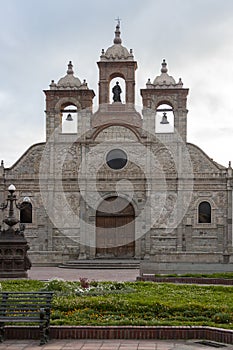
pixel 69 81
pixel 164 80
pixel 117 52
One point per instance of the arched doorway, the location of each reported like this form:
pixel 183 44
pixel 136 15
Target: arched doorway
pixel 115 229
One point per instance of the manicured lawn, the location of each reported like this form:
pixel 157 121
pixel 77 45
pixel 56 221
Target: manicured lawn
pixel 224 275
pixel 134 303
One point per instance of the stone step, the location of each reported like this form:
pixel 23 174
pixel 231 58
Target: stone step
pixel 101 264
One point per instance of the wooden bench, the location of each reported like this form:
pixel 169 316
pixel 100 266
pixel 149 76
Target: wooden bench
pixel 26 307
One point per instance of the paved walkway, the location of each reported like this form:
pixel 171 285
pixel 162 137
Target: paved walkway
pixel 107 345
pixel 45 273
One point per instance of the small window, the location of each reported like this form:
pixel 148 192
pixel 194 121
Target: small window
pixel 204 213
pixel 26 212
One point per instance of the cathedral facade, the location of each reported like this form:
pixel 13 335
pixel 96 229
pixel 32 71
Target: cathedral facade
pixel 120 183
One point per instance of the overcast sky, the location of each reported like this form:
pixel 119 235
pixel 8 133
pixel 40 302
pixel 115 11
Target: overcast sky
pixel 39 37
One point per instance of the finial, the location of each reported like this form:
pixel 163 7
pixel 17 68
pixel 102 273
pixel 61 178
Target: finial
pixel 229 170
pixel 118 21
pixel 70 68
pixel 180 83
pixel 117 39
pixel 52 85
pixel 2 163
pixel 164 67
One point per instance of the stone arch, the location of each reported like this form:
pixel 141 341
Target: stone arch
pixel 134 133
pixel 66 101
pixel 116 75
pixel 106 195
pixel 165 101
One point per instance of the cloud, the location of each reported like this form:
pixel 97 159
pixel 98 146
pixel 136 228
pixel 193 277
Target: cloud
pixel 41 37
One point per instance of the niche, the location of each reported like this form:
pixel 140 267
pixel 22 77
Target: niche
pixel 121 84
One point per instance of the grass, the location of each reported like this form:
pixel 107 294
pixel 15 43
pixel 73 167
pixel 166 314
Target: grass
pixel 224 275
pixel 134 303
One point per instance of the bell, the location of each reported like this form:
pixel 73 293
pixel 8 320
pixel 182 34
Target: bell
pixel 69 118
pixel 164 119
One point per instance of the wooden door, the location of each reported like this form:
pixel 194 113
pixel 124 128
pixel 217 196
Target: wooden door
pixel 115 237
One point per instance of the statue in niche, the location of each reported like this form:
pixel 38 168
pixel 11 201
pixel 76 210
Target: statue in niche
pixel 116 90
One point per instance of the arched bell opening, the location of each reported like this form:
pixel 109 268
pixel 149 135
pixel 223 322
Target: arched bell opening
pixel 115 229
pixel 164 118
pixel 117 90
pixel 69 118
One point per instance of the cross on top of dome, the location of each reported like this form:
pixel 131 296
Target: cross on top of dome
pixel 117 52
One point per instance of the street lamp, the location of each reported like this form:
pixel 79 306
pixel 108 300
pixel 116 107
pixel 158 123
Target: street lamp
pixel 11 198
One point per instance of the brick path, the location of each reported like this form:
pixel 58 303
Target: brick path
pixel 106 345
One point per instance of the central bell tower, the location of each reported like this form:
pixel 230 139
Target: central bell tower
pixel 117 61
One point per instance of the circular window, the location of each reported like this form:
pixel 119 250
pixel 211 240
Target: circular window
pixel 116 159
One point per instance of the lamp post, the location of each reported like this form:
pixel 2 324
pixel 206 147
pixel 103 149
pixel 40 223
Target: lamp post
pixel 14 261
pixel 11 219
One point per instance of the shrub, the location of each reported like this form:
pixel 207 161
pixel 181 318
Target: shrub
pixel 59 286
pixel 222 317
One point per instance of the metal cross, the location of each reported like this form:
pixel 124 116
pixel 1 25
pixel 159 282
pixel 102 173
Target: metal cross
pixel 118 20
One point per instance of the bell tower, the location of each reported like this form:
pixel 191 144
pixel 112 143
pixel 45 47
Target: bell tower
pixel 67 92
pixel 165 91
pixel 117 61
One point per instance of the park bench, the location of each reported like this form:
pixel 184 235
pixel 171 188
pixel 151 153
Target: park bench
pixel 26 307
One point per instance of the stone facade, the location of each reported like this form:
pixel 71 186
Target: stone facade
pixel 166 202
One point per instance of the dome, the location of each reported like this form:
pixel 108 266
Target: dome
pixel 117 51
pixel 164 79
pixel 69 81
